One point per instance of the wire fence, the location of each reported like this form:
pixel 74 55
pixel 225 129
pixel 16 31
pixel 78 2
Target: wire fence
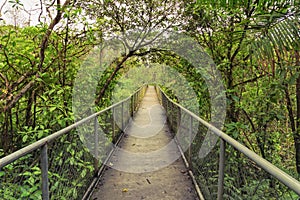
pixel 65 165
pixel 229 170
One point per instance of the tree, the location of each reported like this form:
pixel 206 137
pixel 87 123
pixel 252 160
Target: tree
pixel 279 49
pixel 25 80
pixel 136 24
pixel 231 31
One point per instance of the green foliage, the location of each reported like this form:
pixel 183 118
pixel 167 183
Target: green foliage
pixel 253 43
pixel 255 46
pixel 43 108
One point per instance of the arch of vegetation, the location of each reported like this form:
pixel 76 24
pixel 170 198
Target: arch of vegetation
pixel 253 43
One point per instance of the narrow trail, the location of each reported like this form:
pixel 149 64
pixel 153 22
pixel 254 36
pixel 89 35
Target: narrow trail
pixel 147 164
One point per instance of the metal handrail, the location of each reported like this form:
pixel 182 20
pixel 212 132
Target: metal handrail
pixel 283 177
pixel 43 143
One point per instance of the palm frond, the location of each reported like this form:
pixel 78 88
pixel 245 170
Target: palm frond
pixel 280 40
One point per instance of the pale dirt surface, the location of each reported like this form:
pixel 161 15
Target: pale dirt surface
pixel 148 164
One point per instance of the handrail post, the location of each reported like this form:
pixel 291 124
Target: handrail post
pixel 122 116
pixel 178 118
pixel 190 141
pixel 136 101
pixel 113 124
pixel 128 112
pixel 96 160
pixel 171 117
pixel 132 105
pixel 167 108
pixel 221 170
pixel 162 100
pixel 44 171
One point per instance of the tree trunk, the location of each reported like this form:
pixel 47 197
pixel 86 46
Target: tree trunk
pixel 5 135
pixel 111 77
pixel 297 132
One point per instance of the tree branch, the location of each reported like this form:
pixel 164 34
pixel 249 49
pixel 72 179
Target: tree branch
pixel 249 80
pixel 1 8
pixel 149 51
pixel 43 47
pixel 111 77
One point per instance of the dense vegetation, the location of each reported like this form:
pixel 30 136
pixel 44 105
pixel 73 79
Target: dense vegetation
pixel 254 44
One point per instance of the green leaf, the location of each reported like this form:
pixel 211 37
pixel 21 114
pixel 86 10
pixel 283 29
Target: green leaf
pixel 2 173
pixel 292 79
pixel 52 109
pixel 25 137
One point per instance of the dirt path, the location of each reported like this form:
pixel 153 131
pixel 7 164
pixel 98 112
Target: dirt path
pixel 148 164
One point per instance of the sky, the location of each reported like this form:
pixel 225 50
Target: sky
pixel 31 6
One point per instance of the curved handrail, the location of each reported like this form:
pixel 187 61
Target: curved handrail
pixel 38 144
pixel 43 143
pixel 283 177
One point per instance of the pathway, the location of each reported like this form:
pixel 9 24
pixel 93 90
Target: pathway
pixel 147 164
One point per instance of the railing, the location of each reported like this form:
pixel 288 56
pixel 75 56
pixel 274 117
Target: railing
pixel 67 168
pixel 230 170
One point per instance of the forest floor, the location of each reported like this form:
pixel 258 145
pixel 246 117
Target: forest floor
pixel 147 164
